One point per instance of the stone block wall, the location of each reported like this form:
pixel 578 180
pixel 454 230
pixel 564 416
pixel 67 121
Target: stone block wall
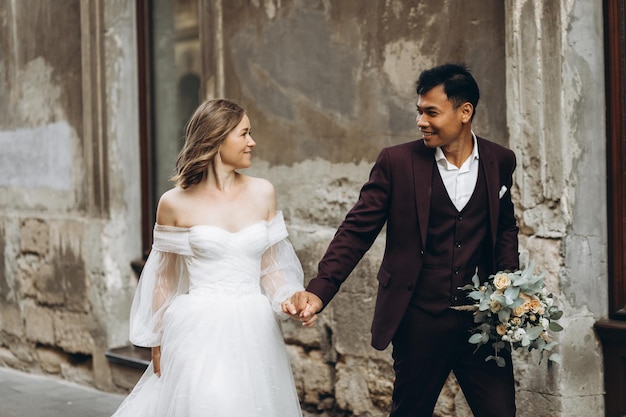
pixel 69 197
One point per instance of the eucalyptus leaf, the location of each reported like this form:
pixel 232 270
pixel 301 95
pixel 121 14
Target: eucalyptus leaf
pixel 521 282
pixel 539 344
pixel 518 302
pixel 476 295
pixel 555 357
pixel 534 332
pixel 556 315
pixel 480 316
pixel 528 271
pixel 550 345
pixel 533 288
pixel 490 358
pixel 504 315
pixel 476 338
pixel 499 298
pixel 511 292
pixel 476 280
pixel 555 327
pixel 500 361
pixel 498 345
pixel 536 279
pixel 485 327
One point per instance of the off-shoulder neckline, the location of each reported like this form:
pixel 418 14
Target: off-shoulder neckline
pixel 211 226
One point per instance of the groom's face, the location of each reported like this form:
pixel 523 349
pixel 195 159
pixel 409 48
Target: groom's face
pixel 439 121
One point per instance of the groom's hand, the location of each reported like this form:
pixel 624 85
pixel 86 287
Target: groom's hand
pixel 308 305
pixel 303 306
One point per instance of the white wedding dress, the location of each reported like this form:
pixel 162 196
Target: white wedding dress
pixel 210 299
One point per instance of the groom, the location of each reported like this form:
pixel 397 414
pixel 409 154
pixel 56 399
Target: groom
pixel 447 204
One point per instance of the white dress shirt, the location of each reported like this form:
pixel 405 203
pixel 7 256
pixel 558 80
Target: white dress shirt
pixel 460 182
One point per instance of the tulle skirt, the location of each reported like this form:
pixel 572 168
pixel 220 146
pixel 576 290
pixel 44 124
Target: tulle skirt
pixel 220 357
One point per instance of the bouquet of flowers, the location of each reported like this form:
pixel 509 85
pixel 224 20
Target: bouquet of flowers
pixel 513 310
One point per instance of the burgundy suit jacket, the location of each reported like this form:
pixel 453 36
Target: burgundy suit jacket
pixel 398 194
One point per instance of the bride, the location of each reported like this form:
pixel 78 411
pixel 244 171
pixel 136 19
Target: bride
pixel 212 287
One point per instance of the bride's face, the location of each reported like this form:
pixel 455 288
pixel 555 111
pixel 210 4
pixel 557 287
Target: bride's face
pixel 236 150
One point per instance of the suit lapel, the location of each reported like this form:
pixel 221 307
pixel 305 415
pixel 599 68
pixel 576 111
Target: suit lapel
pixel 423 161
pixel 492 179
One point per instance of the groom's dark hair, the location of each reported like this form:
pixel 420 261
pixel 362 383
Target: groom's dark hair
pixel 457 81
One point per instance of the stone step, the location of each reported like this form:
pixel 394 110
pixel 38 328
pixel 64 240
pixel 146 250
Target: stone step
pixel 132 356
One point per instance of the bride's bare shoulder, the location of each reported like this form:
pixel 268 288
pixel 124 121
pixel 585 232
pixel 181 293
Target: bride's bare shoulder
pixel 261 186
pixel 262 192
pixel 170 204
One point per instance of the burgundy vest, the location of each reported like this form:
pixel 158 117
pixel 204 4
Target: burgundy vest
pixel 454 246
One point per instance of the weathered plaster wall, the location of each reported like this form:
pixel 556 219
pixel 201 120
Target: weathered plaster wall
pixel 556 121
pixel 69 190
pixel 336 80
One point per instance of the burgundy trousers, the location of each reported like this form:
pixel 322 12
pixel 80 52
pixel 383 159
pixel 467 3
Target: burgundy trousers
pixel 427 348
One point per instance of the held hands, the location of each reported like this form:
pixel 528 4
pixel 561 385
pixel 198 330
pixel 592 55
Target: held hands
pixel 303 306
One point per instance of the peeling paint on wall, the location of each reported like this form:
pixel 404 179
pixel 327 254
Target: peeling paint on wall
pixel 39 157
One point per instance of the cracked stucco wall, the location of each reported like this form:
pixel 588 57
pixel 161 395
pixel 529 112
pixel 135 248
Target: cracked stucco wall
pixel 556 122
pixel 67 79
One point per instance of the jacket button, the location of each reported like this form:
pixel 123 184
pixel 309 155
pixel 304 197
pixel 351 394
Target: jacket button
pixel 422 253
pixel 410 287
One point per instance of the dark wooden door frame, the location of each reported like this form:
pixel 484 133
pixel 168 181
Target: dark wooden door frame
pixel 144 51
pixel 612 331
pixel 616 113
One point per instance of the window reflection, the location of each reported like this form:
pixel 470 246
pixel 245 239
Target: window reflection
pixel 176 81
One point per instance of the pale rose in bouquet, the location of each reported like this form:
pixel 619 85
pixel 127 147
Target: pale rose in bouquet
pixel 514 310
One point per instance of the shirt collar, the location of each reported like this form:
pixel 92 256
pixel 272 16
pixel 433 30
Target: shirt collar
pixel 439 155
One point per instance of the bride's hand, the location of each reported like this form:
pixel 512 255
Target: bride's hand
pixel 156 360
pixel 289 308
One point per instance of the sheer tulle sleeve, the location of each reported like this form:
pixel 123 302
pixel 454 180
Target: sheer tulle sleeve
pixel 164 276
pixel 281 271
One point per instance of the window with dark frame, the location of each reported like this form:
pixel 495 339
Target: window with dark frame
pixel 169 89
pixel 169 70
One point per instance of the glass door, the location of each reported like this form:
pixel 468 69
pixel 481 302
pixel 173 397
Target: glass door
pixel 170 68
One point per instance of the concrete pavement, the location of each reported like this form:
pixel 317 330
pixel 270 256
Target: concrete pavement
pixel 26 395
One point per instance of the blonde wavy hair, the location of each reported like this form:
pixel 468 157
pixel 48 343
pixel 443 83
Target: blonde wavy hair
pixel 206 130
